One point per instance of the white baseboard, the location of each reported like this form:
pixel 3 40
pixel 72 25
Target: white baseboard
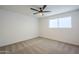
pixel 6 44
pixel 59 41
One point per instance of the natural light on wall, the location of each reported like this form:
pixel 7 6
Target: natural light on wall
pixel 64 22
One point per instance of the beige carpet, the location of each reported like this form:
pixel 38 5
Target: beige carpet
pixel 40 46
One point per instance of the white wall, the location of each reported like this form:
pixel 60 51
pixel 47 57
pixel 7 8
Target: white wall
pixel 15 27
pixel 69 35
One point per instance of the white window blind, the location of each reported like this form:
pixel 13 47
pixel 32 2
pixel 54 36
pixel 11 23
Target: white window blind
pixel 64 22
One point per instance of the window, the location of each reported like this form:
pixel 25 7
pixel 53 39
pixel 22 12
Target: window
pixel 64 22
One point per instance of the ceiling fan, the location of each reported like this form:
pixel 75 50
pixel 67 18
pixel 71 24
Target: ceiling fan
pixel 40 11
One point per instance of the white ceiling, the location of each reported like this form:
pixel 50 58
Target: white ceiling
pixel 25 9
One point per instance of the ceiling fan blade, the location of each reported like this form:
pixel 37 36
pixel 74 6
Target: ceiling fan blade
pixel 36 13
pixel 46 11
pixel 44 7
pixel 34 9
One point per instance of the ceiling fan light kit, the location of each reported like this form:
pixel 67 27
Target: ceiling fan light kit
pixel 40 14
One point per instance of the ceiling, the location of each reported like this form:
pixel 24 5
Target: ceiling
pixel 25 9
